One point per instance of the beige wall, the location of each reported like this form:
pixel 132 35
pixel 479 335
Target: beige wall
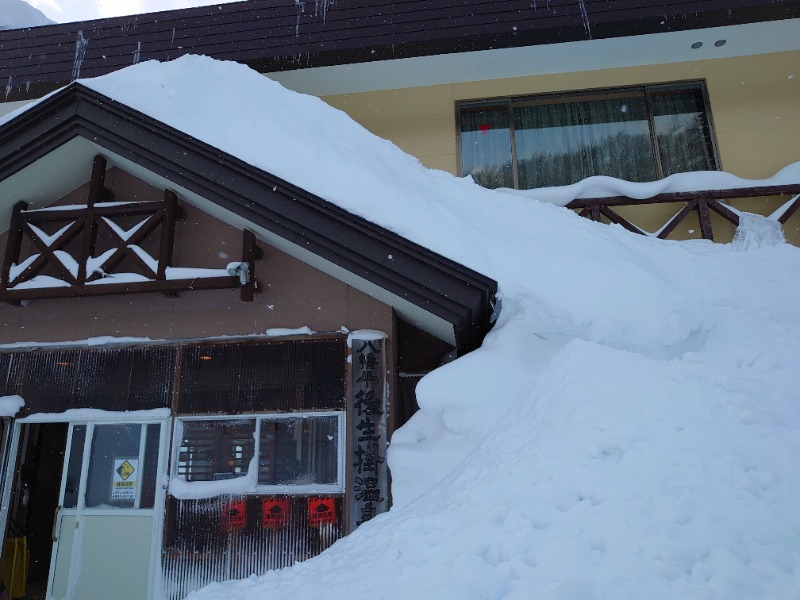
pixel 294 294
pixel 755 107
pixel 755 104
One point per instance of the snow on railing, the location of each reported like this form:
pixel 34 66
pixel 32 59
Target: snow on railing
pixel 702 192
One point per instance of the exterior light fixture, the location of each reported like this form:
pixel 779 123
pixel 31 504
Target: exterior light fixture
pixel 720 43
pixel 697 45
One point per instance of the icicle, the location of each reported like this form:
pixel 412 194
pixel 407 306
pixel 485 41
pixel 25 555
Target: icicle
pixel 137 53
pixel 301 6
pixel 585 16
pixel 321 7
pixel 80 51
pixel 9 86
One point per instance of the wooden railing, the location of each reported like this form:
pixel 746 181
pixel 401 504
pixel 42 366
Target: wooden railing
pixel 703 203
pixel 78 250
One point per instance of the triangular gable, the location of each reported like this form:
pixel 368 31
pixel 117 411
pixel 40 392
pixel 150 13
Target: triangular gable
pixel 104 247
pixel 73 125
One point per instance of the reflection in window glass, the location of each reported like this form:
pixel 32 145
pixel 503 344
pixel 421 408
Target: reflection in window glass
pixel 298 451
pixel 114 467
pixel 684 141
pixel 74 466
pixel 549 145
pixel 216 449
pixel 617 138
pixel 637 134
pixel 486 146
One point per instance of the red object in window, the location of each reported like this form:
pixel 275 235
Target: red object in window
pixel 484 127
pixel 275 512
pixel 234 515
pixel 321 510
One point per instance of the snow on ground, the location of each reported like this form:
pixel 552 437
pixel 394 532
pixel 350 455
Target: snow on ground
pixel 629 429
pixel 17 14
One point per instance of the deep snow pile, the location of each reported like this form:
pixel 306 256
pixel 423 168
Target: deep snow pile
pixel 629 429
pixel 17 14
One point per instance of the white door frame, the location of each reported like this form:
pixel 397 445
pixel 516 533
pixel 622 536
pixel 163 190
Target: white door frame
pixel 90 418
pixel 9 459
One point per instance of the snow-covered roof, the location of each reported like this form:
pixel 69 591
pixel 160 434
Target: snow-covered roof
pixel 628 429
pixel 241 174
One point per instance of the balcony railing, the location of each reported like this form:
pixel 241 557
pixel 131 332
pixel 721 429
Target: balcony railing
pixel 705 204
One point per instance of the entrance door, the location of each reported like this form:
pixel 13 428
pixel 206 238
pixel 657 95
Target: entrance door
pixel 30 496
pixel 106 512
pixel 106 527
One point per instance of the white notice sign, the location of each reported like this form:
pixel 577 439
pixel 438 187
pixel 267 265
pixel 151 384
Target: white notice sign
pixel 126 473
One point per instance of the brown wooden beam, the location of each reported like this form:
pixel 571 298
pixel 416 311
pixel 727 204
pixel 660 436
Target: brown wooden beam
pixel 96 187
pixel 167 232
pixel 123 250
pixel 127 209
pixel 39 263
pixel 107 289
pixel 619 220
pixel 790 210
pixel 13 241
pixel 753 192
pixel 724 211
pixel 47 253
pixel 676 220
pixel 704 219
pixel 250 254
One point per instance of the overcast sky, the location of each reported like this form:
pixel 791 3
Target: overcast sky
pixel 64 11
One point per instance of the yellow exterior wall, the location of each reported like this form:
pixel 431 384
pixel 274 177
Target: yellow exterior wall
pixel 755 108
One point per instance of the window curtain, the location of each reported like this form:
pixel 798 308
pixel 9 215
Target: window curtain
pixel 561 143
pixel 486 146
pixel 617 138
pixel 561 140
pixel 549 143
pixel 684 142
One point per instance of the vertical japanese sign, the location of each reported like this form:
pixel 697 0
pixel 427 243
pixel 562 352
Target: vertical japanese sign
pixel 368 442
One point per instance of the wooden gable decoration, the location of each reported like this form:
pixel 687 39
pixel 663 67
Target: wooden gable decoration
pixel 90 252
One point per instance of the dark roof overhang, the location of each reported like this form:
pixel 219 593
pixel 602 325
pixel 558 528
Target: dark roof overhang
pixel 271 35
pixel 413 277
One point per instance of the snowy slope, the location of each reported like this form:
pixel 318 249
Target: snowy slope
pixel 17 14
pixel 629 429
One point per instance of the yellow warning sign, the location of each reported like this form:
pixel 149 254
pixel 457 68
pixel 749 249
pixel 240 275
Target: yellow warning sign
pixel 123 484
pixel 125 470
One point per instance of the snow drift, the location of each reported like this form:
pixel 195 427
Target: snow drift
pixel 629 429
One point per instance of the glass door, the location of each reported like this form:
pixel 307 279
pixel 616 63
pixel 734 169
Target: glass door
pixel 106 525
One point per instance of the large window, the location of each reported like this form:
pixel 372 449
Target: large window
pixel 638 134
pixel 296 452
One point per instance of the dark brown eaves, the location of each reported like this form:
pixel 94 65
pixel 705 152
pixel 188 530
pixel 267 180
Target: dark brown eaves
pixel 277 35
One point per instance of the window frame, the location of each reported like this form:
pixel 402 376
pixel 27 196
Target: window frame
pixel 510 102
pixel 258 488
